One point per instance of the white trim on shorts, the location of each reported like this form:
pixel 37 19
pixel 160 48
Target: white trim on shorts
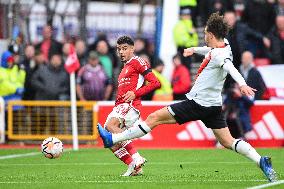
pixel 171 111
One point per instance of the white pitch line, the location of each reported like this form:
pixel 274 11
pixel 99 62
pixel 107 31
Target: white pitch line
pixel 267 185
pixel 165 181
pixel 114 163
pixel 130 181
pixel 24 155
pixel 19 155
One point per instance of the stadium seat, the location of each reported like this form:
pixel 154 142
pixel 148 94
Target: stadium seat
pixel 261 61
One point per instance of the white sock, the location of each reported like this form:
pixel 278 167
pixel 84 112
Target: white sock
pixel 246 149
pixel 139 129
pixel 136 155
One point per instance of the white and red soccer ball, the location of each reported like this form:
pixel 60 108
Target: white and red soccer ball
pixel 52 148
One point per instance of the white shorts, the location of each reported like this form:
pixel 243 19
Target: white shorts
pixel 125 113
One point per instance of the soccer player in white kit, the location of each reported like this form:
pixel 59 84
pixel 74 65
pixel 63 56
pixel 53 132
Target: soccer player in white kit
pixel 204 101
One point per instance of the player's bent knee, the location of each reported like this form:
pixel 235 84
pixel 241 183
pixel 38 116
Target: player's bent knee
pixel 159 117
pixel 153 119
pixel 113 125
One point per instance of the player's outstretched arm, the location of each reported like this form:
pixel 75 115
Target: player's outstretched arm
pixel 199 50
pixel 245 89
pixel 188 52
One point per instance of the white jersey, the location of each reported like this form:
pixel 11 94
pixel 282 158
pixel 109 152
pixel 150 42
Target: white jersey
pixel 208 86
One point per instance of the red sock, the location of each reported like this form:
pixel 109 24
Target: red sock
pixel 123 155
pixel 129 147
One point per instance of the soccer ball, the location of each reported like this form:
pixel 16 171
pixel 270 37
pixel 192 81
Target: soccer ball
pixel 52 148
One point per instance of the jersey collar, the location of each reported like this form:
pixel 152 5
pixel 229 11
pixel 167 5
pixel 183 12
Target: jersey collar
pixel 129 60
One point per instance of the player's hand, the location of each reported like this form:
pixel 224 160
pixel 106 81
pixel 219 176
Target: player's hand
pixel 266 42
pixel 247 90
pixel 188 52
pixel 129 96
pixel 237 93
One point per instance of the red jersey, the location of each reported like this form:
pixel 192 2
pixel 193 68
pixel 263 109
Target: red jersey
pixel 132 77
pixel 181 80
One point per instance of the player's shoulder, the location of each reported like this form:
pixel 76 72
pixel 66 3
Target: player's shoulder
pixel 221 53
pixel 138 61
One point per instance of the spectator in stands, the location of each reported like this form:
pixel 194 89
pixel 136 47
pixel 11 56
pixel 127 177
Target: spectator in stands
pixel 165 92
pixel 111 50
pixel 192 5
pixel 140 45
pixel 105 58
pixel 259 15
pixel 51 81
pixel 27 64
pixel 143 47
pixel 239 36
pixel 181 81
pixel 279 7
pixel 236 107
pixel 49 46
pixel 12 77
pixel 185 35
pixel 207 7
pixel 34 64
pixel 251 75
pixel 276 36
pixel 17 49
pixel 92 81
pixel 65 51
pixel 239 7
pixel 19 42
pixel 28 61
pixel 14 48
pixel 80 47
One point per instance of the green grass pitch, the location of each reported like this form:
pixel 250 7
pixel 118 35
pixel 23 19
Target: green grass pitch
pixel 98 168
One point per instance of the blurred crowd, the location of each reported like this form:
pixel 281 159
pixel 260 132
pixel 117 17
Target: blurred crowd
pixel 36 71
pixel 256 26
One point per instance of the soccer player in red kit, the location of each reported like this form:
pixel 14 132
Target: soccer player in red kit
pixel 128 102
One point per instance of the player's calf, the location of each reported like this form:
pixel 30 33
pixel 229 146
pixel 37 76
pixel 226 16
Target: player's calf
pixel 129 147
pixel 123 155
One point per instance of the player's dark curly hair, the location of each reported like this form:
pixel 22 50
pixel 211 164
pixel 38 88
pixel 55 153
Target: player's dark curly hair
pixel 125 40
pixel 217 26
